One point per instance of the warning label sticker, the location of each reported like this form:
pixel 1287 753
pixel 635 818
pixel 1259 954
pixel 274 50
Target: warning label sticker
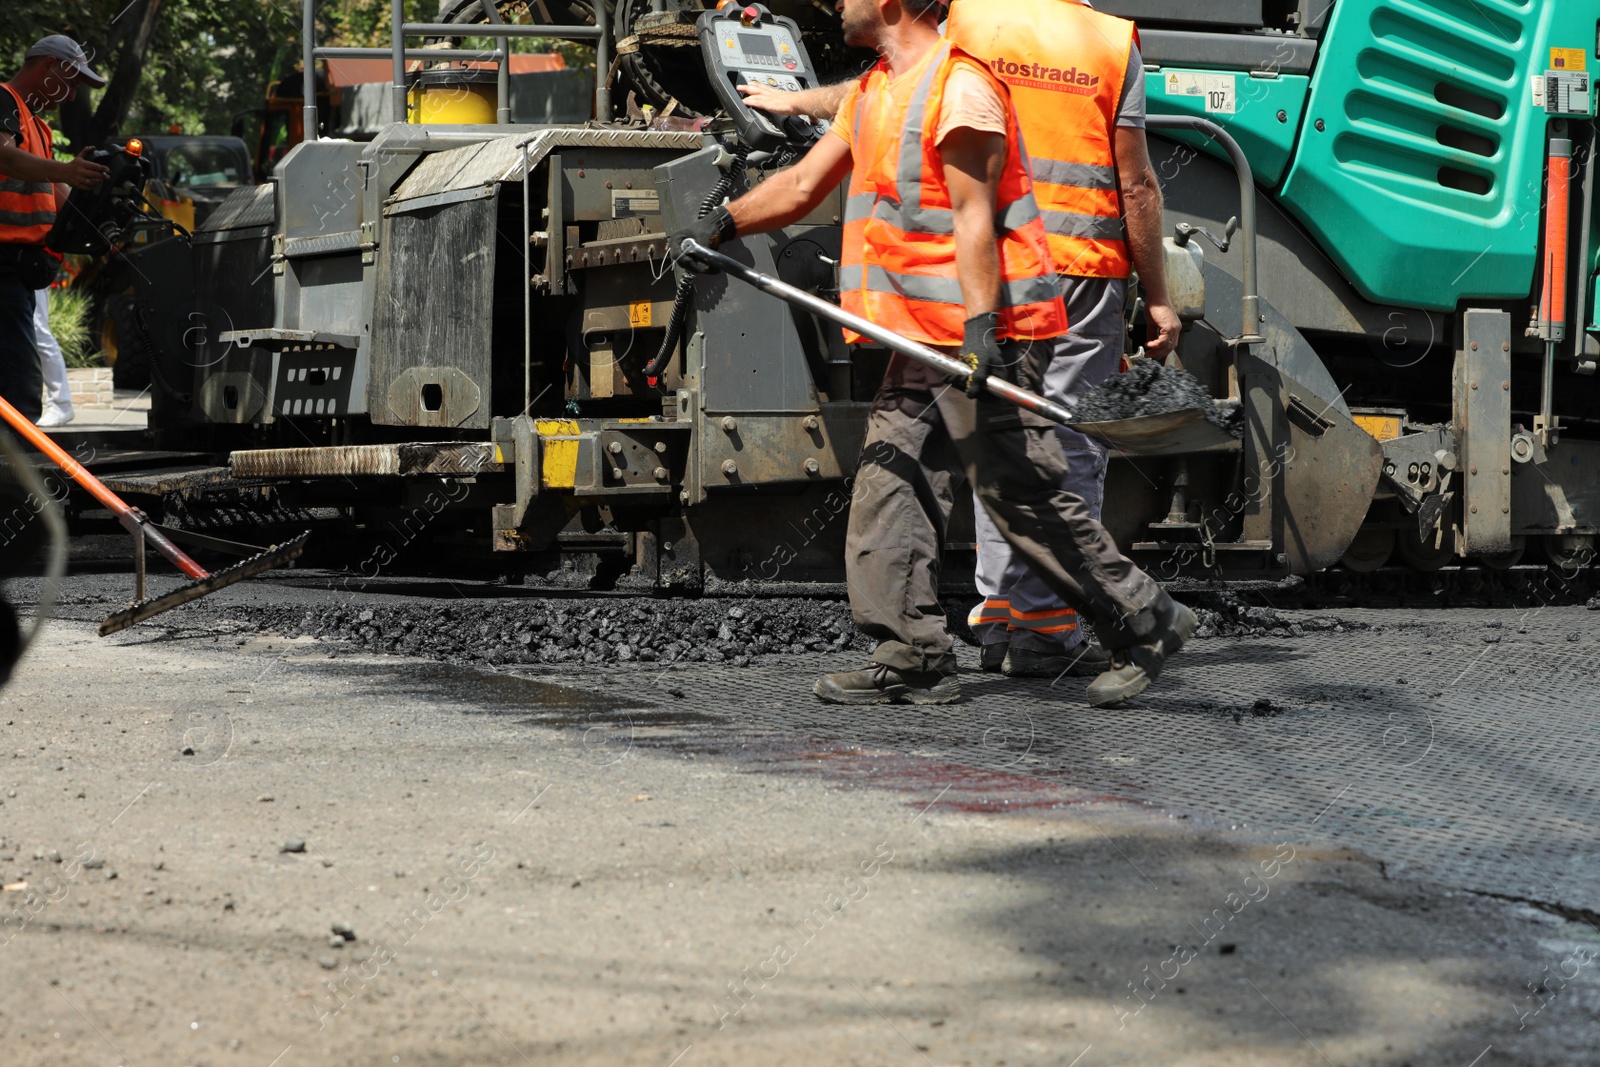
pixel 632 203
pixel 1216 90
pixel 1568 59
pixel 1562 92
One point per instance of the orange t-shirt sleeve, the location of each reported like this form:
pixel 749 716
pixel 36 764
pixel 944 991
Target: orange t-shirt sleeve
pixel 971 100
pixel 844 121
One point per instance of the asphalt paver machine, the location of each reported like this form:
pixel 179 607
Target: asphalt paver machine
pixel 1382 242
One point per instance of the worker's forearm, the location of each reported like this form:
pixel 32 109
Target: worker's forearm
pixel 977 260
pixel 784 198
pixel 823 101
pixel 1141 205
pixel 25 166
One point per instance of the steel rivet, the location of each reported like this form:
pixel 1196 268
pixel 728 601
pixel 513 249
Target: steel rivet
pixel 1474 509
pixel 729 467
pixel 1473 384
pixel 1321 125
pixel 810 422
pixel 1283 116
pixel 729 423
pixel 1505 385
pixel 1474 469
pixel 1474 346
pixel 1505 509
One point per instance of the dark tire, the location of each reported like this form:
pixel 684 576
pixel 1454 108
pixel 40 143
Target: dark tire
pixel 132 367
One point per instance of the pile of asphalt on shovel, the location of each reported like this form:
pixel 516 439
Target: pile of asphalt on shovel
pixel 1149 387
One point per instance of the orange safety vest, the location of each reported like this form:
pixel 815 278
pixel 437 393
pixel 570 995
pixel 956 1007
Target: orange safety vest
pixel 898 266
pixel 1065 65
pixel 27 209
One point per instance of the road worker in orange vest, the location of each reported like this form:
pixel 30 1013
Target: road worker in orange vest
pixel 944 242
pixel 32 186
pixel 1077 81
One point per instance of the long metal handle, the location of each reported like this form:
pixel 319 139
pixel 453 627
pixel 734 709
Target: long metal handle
pixel 131 520
pixel 888 338
pixel 1250 302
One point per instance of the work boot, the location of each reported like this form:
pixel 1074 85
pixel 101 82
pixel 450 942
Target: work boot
pixel 993 655
pixel 878 684
pixel 1085 660
pixel 1134 668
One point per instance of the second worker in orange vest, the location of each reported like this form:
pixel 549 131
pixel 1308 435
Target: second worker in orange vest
pixel 944 242
pixel 1076 79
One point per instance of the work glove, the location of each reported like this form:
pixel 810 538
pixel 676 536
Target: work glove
pixel 709 231
pixel 980 350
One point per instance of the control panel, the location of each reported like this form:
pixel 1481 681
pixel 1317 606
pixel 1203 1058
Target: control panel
pixel 751 46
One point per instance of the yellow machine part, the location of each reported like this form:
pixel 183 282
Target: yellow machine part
pixel 452 103
pixel 1382 427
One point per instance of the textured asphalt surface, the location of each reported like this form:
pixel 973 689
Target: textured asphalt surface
pixel 1347 836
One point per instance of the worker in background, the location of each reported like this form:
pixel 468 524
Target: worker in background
pixel 29 197
pixel 943 243
pixel 52 365
pixel 1077 81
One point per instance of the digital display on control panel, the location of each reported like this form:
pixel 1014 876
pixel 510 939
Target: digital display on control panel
pixel 755 44
pixel 774 49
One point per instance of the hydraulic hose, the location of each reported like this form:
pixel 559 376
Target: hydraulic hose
pixel 685 291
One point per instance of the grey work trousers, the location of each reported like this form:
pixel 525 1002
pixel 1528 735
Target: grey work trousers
pixel 920 432
pixel 1083 358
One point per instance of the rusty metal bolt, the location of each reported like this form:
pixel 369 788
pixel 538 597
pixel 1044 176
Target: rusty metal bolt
pixel 810 422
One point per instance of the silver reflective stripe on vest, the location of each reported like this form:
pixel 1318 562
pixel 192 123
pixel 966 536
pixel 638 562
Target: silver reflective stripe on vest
pixel 1092 227
pixel 17 185
pixel 21 219
pixel 859 206
pixel 1078 175
pixel 908 178
pixel 948 290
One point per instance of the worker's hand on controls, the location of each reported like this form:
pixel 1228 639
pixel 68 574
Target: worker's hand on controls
pixel 772 101
pixel 83 174
pixel 710 231
pixel 980 350
pixel 1165 326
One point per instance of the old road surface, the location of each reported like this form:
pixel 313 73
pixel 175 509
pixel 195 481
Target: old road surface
pixel 1359 837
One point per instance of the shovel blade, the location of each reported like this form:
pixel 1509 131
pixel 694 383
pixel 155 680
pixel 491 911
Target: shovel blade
pixel 1171 433
pixel 139 611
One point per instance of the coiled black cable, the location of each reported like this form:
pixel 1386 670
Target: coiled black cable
pixel 685 291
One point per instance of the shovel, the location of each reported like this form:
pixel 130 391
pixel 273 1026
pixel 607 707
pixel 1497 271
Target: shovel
pixel 143 530
pixel 1159 434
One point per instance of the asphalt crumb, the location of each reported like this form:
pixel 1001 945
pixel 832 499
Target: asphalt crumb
pixel 1149 387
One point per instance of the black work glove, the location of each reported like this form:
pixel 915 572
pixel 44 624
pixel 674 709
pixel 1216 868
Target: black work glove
pixel 980 350
pixel 710 231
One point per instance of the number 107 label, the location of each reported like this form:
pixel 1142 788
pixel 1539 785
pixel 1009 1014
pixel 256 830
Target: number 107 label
pixel 1215 90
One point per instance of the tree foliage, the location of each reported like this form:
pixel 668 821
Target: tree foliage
pixel 192 63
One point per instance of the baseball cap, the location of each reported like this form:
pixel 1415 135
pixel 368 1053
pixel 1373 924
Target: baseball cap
pixel 60 46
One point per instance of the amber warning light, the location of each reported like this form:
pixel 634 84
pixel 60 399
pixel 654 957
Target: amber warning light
pixel 134 147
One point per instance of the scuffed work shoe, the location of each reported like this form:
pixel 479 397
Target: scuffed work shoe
pixel 1133 669
pixel 992 656
pixel 1085 660
pixel 878 684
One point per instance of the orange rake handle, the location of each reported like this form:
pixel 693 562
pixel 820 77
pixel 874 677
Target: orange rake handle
pixel 131 518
